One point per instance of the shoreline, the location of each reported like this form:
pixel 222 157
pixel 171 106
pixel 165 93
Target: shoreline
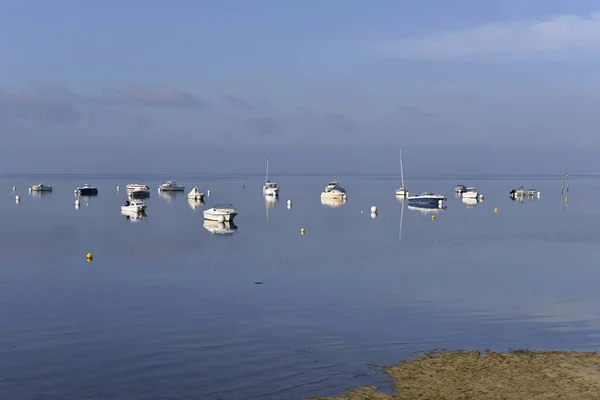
pixel 518 374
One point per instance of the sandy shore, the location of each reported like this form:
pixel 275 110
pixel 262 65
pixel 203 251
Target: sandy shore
pixel 489 375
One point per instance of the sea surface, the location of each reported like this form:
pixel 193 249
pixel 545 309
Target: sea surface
pixel 169 310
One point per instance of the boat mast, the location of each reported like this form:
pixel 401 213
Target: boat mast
pixel 401 168
pixel 267 172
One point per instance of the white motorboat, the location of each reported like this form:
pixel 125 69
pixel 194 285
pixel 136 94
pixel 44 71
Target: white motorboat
pixel 196 194
pixel 41 188
pixel 171 186
pixel 334 190
pixel 401 191
pixel 470 193
pixel 134 186
pixel 220 228
pixel 140 192
pixel 221 213
pixel 270 188
pixel 133 207
pixel 522 192
pixel 427 199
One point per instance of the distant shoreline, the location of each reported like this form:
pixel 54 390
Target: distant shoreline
pixel 520 374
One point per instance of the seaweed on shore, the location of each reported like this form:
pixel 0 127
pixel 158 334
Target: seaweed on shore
pixel 516 374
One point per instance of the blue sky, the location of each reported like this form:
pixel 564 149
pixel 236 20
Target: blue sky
pixel 193 73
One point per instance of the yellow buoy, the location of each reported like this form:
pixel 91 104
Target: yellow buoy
pixel 89 256
pixel 433 217
pixel 302 231
pixel 495 210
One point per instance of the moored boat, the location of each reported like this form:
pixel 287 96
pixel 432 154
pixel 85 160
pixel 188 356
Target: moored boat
pixel 196 194
pixel 522 192
pixel 133 206
pixel 134 186
pixel 427 198
pixel 334 190
pixel 221 213
pixel 270 188
pixel 139 192
pixel 171 186
pixel 40 187
pixel 87 190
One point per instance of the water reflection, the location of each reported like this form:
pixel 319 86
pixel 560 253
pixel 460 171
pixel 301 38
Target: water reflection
pixel 427 209
pixel 402 201
pixel 133 217
pixel 86 199
pixel 195 204
pixel 470 202
pixel 169 195
pixel 333 202
pixel 220 228
pixel 40 194
pixel 523 199
pixel 270 202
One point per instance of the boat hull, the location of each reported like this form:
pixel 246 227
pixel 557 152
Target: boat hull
pixel 271 191
pixel 470 195
pixel 171 188
pixel 133 209
pixel 401 192
pixel 139 194
pixel 87 191
pixel 333 195
pixel 227 217
pixel 426 201
pixel 41 189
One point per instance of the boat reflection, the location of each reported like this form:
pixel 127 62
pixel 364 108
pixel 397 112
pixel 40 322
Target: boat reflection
pixel 333 202
pixel 133 217
pixel 470 202
pixel 271 201
pixel 40 194
pixel 220 228
pixel 523 199
pixel 86 199
pixel 195 204
pixel 169 195
pixel 427 209
pixel 403 202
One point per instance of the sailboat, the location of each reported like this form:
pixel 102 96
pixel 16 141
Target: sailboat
pixel 270 188
pixel 401 191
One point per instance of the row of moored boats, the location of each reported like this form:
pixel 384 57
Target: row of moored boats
pixel 136 192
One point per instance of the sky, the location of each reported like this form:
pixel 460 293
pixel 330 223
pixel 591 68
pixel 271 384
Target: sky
pixel 194 74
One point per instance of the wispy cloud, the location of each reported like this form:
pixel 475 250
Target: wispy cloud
pixel 236 103
pixel 557 37
pixel 163 96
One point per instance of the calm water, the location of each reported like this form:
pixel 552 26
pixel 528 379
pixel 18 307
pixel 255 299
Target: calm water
pixel 167 310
